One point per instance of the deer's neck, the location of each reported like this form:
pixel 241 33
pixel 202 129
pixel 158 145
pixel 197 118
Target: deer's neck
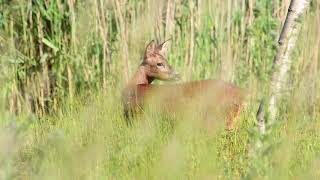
pixel 141 77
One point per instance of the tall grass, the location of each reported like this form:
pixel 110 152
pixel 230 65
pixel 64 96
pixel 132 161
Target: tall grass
pixel 56 48
pixel 64 62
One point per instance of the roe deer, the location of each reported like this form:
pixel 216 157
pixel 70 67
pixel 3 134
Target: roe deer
pixel 210 97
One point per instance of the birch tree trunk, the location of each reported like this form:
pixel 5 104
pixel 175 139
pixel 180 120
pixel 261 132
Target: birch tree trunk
pixel 282 61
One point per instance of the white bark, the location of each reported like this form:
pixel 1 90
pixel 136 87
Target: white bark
pixel 282 61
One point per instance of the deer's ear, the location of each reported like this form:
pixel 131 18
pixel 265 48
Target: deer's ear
pixel 164 48
pixel 151 47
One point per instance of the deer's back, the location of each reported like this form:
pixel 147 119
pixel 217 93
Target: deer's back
pixel 206 95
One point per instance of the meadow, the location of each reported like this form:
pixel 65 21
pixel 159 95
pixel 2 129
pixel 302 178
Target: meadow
pixel 63 64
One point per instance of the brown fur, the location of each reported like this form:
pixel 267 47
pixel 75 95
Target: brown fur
pixel 215 99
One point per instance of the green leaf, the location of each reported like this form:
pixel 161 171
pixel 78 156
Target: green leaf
pixel 49 44
pixel 16 61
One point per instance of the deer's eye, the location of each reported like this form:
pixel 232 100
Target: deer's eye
pixel 160 64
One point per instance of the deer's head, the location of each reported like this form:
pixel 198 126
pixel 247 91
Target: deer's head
pixel 156 64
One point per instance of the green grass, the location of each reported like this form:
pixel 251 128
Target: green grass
pixel 60 111
pixel 92 141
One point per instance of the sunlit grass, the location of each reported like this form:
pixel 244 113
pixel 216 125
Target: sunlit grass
pixel 84 135
pixel 93 141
